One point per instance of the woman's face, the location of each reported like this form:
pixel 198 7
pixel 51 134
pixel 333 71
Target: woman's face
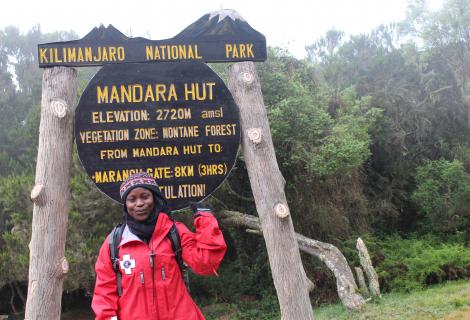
pixel 139 203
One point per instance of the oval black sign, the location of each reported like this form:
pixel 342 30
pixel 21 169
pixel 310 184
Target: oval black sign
pixel 176 121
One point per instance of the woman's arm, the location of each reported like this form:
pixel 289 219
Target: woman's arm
pixel 105 297
pixel 204 250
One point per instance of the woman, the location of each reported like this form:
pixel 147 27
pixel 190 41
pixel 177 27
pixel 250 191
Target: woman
pixel 152 283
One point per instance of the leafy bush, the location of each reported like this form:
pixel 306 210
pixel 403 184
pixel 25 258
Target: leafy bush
pixel 15 217
pixel 406 264
pixel 443 194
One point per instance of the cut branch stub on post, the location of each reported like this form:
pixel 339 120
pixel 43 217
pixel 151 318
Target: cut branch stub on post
pixel 37 194
pixel 254 134
pixel 267 184
pixel 50 195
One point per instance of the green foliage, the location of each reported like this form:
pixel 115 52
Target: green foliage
pixel 406 264
pixel 15 214
pixel 443 194
pixel 347 147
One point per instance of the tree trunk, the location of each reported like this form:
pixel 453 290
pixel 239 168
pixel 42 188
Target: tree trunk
pixel 362 281
pixel 327 253
pixel 51 194
pixel 366 263
pixel 267 185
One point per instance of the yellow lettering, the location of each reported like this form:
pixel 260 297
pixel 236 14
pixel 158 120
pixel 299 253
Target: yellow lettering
pixel 220 129
pixel 112 53
pixel 180 132
pixel 211 169
pixel 145 134
pixel 149 52
pixel 174 52
pixel 56 55
pixel 95 117
pixel 228 50
pixel 188 92
pixel 104 54
pixel 137 91
pixel 184 171
pixel 162 48
pixel 80 55
pixel 242 50
pixel 172 94
pixel 249 48
pixel 113 154
pixel 125 93
pixel 155 151
pixel 98 56
pixel 192 149
pixel 114 95
pixel 100 136
pixel 160 172
pixel 197 55
pixel 199 91
pixel 88 54
pixel 190 53
pixel 160 89
pixel 157 54
pixel 72 54
pixel 102 94
pixel 149 94
pixel 42 55
pixel 121 53
pixel 235 52
pixel 182 51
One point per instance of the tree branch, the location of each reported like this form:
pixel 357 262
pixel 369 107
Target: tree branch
pixel 327 253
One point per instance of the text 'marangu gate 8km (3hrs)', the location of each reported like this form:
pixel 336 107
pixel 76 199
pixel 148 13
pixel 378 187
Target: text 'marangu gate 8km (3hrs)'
pixel 156 106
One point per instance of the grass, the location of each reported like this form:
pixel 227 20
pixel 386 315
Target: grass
pixel 450 301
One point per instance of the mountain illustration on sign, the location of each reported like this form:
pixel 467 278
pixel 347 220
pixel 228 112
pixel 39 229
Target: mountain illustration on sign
pixel 105 34
pixel 225 23
pixel 221 23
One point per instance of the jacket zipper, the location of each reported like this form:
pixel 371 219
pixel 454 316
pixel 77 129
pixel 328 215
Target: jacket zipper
pixel 152 263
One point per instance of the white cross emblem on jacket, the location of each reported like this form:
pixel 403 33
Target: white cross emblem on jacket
pixel 127 264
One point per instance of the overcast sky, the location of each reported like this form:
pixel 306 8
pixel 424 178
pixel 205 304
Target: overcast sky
pixel 292 24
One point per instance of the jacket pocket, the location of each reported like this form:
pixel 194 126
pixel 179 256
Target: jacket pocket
pixel 167 284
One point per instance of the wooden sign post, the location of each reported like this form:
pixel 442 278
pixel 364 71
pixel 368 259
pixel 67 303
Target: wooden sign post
pixel 51 194
pixel 156 107
pixel 267 184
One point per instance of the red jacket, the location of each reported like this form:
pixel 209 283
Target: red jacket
pixel 158 294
